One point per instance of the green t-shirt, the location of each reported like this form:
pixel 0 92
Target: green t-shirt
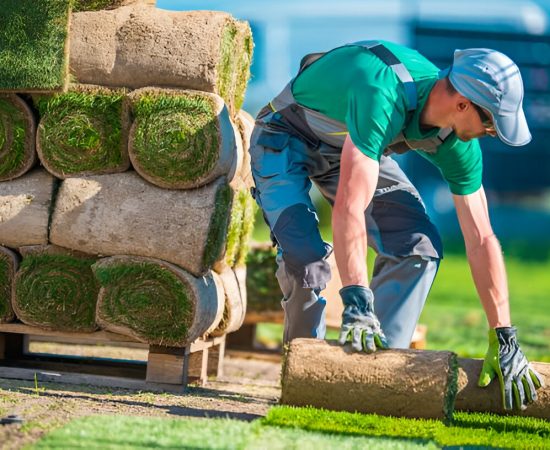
pixel 353 86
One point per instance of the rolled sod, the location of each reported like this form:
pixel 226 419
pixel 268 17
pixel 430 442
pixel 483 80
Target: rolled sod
pixel 156 302
pixel 17 137
pixel 98 5
pixel 245 124
pixel 55 289
pixel 263 291
pixel 235 305
pixel 33 37
pixel 9 263
pixel 137 47
pixel 83 132
pixel 25 209
pixel 399 383
pixel 122 214
pixel 181 139
pixel 472 398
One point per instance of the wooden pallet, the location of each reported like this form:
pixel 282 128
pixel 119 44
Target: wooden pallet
pixel 166 368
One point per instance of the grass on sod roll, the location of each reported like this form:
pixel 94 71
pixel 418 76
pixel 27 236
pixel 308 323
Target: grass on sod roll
pixel 249 213
pixel 82 131
pixel 6 311
pixel 467 429
pixel 242 71
pixel 32 44
pixel 226 65
pixel 219 223
pixel 120 432
pixel 234 229
pixel 57 292
pixel 176 137
pixel 146 298
pixel 95 5
pixel 13 134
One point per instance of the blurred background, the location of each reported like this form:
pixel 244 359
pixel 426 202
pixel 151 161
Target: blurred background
pixel 517 180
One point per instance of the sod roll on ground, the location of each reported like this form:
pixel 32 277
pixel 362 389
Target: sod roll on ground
pixel 55 289
pixel 122 214
pixel 83 131
pixel 400 383
pixel 156 302
pixel 25 209
pixel 33 44
pixel 181 139
pixel 9 262
pixel 137 47
pixel 472 398
pixel 17 137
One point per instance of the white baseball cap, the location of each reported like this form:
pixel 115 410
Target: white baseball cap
pixel 492 80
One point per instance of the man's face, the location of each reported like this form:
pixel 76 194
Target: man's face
pixel 474 122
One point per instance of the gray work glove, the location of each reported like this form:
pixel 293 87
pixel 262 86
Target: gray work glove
pixel 504 359
pixel 359 323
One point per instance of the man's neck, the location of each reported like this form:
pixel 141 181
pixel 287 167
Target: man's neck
pixel 433 114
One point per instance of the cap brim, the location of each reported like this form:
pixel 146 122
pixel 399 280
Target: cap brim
pixel 513 130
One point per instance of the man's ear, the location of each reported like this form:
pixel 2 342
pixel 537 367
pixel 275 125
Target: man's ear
pixel 462 104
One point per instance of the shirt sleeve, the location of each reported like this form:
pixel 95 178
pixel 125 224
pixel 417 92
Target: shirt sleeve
pixel 375 114
pixel 460 163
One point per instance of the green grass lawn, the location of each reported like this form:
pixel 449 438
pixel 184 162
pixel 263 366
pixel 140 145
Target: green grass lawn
pixel 300 428
pixel 454 315
pixel 456 320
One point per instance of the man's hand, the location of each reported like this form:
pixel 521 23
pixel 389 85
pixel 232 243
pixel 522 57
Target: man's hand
pixel 518 380
pixel 359 323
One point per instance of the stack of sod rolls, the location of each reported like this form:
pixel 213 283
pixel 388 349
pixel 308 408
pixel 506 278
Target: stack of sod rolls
pixel 139 218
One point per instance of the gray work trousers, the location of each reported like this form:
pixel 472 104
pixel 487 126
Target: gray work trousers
pixel 407 243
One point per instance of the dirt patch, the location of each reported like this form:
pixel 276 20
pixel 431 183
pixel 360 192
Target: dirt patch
pixel 245 392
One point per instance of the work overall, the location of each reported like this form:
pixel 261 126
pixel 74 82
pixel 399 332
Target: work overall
pixel 291 147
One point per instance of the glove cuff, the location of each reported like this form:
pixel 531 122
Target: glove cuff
pixel 359 296
pixel 503 335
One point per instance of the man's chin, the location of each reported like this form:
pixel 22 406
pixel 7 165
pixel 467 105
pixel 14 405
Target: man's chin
pixel 465 138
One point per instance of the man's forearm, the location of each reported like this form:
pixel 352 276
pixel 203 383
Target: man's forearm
pixel 350 246
pixel 489 274
pixel 356 186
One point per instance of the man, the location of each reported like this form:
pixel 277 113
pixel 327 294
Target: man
pixel 336 124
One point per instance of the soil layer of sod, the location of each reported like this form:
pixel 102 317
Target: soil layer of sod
pixel 83 132
pixel 33 38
